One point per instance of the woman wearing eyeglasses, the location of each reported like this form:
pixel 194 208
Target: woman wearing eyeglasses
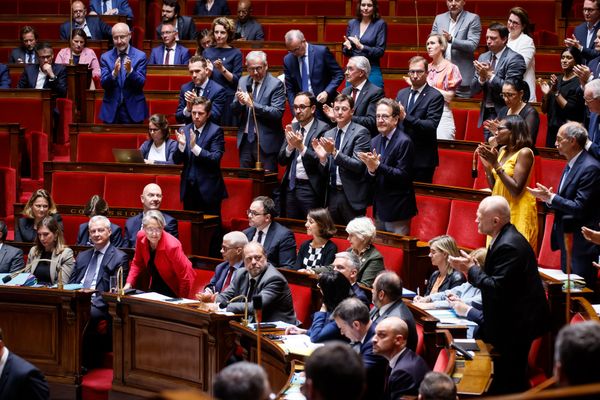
pixel 159 148
pixel 508 170
pixel 160 256
pixel 522 43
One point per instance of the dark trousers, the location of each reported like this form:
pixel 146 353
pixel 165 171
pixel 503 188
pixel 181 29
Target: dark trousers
pixel 95 342
pixel 193 201
pixel 581 264
pixel 300 200
pixel 424 175
pixel 123 116
pixel 248 156
pixel 339 207
pixel 510 368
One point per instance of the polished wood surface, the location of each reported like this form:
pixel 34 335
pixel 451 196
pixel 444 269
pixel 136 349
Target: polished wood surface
pixel 475 375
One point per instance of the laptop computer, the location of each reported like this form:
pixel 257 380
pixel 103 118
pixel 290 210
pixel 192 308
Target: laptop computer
pixel 128 155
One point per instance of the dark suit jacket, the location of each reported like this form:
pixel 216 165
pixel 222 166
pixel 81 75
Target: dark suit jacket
pixel 111 261
pixel 252 29
pixel 121 5
pixel 511 65
pixel 4 77
pixel 186 29
pixel 99 29
pixel 272 286
pixel 360 294
pixel 22 380
pixel 454 279
pixel 406 376
pixel 203 172
pixel 394 195
pixel 219 7
pixel 279 245
pixel 373 39
pixel 324 73
pixel 116 236
pixel 134 224
pixel 588 52
pixel 218 280
pixel 129 88
pixel 17 54
pixel 594 135
pixel 375 366
pixel 511 292
pixel 11 259
pixel 58 86
pixel 351 169
pixel 170 149
pixel 212 91
pixel 317 175
pixel 399 309
pixel 269 106
pixel 157 57
pixel 421 123
pixel 366 105
pixel 25 231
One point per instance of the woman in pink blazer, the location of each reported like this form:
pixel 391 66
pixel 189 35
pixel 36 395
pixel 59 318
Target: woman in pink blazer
pixel 81 53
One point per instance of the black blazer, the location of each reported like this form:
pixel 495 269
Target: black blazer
pixel 116 236
pixel 365 106
pixel 11 259
pixel 279 245
pixel 186 29
pixel 219 7
pixel 25 231
pixel 375 366
pixel 58 86
pixel 133 226
pixel 454 279
pixel 399 309
pixel 99 29
pixel 22 380
pixel 406 376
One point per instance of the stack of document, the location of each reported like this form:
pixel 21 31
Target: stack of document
pixel 161 297
pixel 298 344
pixel 24 279
pixel 559 275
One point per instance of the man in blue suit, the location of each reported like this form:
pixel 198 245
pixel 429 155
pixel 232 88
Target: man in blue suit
pixel 4 77
pixel 201 85
pixel 260 112
pixel 55 75
pixel 170 52
pixel 123 77
pixel 424 106
pixel 246 26
pixel 585 33
pixel 310 68
pixel 186 29
pixel 389 167
pixel 201 147
pixel 591 95
pixel 93 270
pixel 111 7
pixel 575 201
pixel 94 27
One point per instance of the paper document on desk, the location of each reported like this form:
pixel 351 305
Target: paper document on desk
pixel 161 297
pixel 22 279
pixel 596 308
pixel 559 275
pixel 299 344
pixel 449 317
pixel 278 325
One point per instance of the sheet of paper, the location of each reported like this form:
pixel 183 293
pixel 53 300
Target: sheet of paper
pixel 299 344
pixel 161 297
pixel 559 275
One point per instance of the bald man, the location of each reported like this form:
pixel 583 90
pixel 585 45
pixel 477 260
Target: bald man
pixel 514 304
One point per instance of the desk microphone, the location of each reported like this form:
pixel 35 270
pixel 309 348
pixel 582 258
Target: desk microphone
pixel 257 304
pixel 224 304
pixel 10 277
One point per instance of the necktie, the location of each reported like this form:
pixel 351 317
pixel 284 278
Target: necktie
pixel 375 316
pixel 411 102
pixel 292 177
pixel 384 141
pixel 228 279
pixel 354 94
pixel 251 126
pixel 104 6
pixel 30 59
pixel 564 178
pixel 493 65
pixel 304 72
pixel 91 270
pixel 251 287
pixel 168 56
pixel 332 167
pixel 260 236
pixel 197 89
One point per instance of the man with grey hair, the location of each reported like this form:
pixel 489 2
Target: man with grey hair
pixel 576 354
pixel 93 269
pixel 591 95
pixel 437 386
pixel 511 291
pixel 232 251
pixel 260 102
pixel 310 68
pixel 170 52
pixel 348 264
pixel 575 202
pixel 364 94
pixel 242 381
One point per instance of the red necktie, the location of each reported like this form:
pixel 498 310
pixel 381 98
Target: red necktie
pixel 228 279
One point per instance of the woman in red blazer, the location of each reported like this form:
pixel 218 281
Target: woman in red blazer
pixel 160 255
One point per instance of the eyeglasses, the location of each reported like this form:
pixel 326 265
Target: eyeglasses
pixel 513 22
pixel 255 69
pixel 417 72
pixel 589 10
pixel 508 95
pixel 382 116
pixel 152 130
pixel 301 107
pixel 254 213
pixel 152 231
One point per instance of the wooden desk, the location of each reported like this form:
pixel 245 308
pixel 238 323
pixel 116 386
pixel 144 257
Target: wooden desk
pixel 45 326
pixel 475 375
pixel 159 346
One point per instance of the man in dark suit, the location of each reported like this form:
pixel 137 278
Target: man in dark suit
pixel 4 77
pixel 585 33
pixel 19 379
pixel 11 258
pixel 233 254
pixel 389 167
pixel 278 241
pixel 170 52
pixel 310 68
pixel 575 201
pixel 111 7
pixel 387 301
pixel 151 198
pixel 201 85
pixel 492 69
pixel 305 179
pixel 260 278
pixel 260 113
pixel 591 95
pixel 515 309
pixel 45 74
pixel 407 368
pixel 186 29
pixel 93 270
pixel 25 54
pixel 123 77
pixel 94 27
pixel 424 106
pixel 577 351
pixel 347 192
pixel 352 318
pixel 201 146
pixel 348 264
pixel 246 26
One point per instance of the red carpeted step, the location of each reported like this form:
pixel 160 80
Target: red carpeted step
pixel 96 384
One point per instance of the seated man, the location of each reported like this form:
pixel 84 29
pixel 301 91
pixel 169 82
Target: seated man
pixel 25 54
pixel 437 386
pixel 94 27
pixel 45 74
pixel 11 258
pixel 348 264
pixel 259 278
pixel 576 354
pixel 170 52
pixel 93 269
pixel 278 241
pixel 407 368
pixel 170 13
pixel 240 381
pixel 151 198
pixel 232 251
pixel 111 7
pixel 246 26
pixel 4 77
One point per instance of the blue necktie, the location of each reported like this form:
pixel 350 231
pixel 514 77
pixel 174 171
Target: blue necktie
pixel 384 140
pixel 91 270
pixel 304 72
pixel 251 126
pixel 411 102
pixel 333 167
pixel 564 178
pixel 104 6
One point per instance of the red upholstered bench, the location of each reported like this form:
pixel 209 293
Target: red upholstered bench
pixel 472 132
pixel 334 32
pixel 98 147
pixel 201 279
pixel 547 257
pixel 406 33
pixel 460 122
pixel 393 86
pixel 425 8
pixel 167 107
pixel 71 227
pixel 301 238
pixel 96 384
pixel 432 219
pixel 301 297
pixel 542 131
pixel 549 171
pixel 393 258
pixel 462 226
pixel 231 156
pixel 8 184
pixel 454 169
pixel 87 185
pixel 170 188
pixel 114 185
pixel 235 206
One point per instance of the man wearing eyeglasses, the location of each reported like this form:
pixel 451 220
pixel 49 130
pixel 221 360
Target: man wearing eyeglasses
pixel 170 13
pixel 94 27
pixel 305 180
pixel 424 106
pixel 584 34
pixel 170 52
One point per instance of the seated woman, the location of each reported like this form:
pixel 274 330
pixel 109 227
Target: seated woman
pixel 334 288
pixel 49 255
pixel 204 40
pixel 361 232
pixel 39 206
pixel 320 251
pixel 160 255
pixel 445 277
pixel 80 53
pixel 159 148
pixel 98 206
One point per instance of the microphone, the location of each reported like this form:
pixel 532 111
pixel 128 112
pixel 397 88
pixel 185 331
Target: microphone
pixel 474 166
pixel 224 304
pixel 11 276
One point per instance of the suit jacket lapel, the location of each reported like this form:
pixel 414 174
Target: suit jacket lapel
pixel 269 238
pixel 349 133
pixel 5 374
pixel 573 172
pixel 2 255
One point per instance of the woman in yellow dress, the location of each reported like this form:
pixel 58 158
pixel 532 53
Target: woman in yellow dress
pixel 508 160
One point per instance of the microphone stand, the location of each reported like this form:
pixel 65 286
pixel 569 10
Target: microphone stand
pixel 241 296
pixel 12 276
pixel 71 60
pixel 257 305
pixel 258 164
pixel 120 291
pixel 59 283
pixel 568 229
pixel 417 21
